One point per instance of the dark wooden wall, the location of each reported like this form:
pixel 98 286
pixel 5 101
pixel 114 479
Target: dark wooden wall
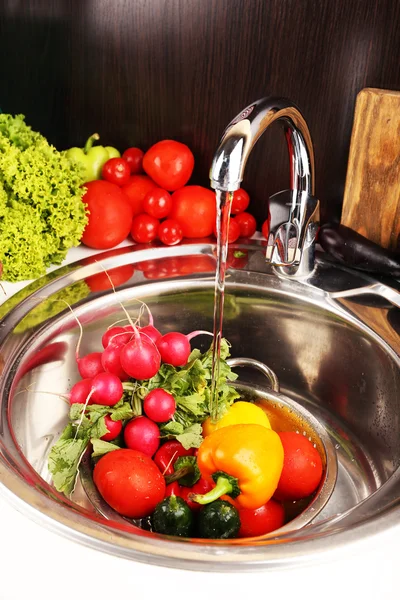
pixel 139 71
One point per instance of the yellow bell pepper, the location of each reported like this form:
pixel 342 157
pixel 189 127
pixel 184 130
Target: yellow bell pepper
pixel 245 461
pixel 240 413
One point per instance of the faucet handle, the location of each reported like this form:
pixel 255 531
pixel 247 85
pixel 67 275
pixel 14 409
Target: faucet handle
pixel 293 240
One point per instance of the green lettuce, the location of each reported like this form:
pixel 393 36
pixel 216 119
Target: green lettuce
pixel 41 210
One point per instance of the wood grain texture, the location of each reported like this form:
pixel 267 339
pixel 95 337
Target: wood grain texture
pixel 139 71
pixel 371 204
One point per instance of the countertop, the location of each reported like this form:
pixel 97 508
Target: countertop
pixel 38 563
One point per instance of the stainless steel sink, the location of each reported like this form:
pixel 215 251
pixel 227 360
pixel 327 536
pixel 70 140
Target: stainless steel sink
pixel 336 354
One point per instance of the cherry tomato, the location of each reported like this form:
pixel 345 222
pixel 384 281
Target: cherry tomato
pixel 302 467
pixel 233 231
pixel 170 232
pixel 247 224
pixel 240 201
pixel 265 227
pixel 144 228
pixel 169 163
pixel 157 203
pixel 167 454
pixel 110 215
pixel 116 170
pixel 134 158
pixel 101 281
pixel 129 482
pixel 136 190
pixel 194 207
pixel 261 520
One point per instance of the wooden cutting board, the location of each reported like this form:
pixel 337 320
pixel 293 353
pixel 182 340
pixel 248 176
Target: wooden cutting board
pixel 371 203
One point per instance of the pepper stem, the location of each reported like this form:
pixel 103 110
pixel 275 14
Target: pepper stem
pixel 223 486
pixel 89 142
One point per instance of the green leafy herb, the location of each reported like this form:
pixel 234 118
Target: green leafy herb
pixel 191 387
pixel 64 459
pixel 191 437
pixel 86 424
pixel 100 447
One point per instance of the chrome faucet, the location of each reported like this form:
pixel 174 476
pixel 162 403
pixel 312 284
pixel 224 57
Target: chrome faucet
pixel 292 241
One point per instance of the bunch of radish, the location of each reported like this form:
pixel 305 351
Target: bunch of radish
pixel 132 352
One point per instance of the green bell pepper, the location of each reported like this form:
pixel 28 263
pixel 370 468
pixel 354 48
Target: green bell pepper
pixel 91 158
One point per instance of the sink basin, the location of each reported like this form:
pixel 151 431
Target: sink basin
pixel 337 357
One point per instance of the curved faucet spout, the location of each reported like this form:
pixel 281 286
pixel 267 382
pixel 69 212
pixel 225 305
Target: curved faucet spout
pixel 292 247
pixel 244 131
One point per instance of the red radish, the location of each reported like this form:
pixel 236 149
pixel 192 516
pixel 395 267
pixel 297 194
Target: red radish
pixel 80 391
pixel 142 434
pixel 111 361
pixel 90 365
pixel 106 389
pixel 151 332
pixel 114 429
pixel 174 347
pixel 116 335
pixel 159 405
pixel 140 358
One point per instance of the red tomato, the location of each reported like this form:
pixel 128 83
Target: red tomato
pixel 157 203
pixel 136 189
pixel 168 453
pixel 130 482
pixel 110 215
pixel 194 207
pixel 233 231
pixel 169 163
pixel 170 232
pixel 261 520
pixel 118 276
pixel 116 170
pixel 247 224
pixel 302 467
pixel 144 228
pixel 240 201
pixel 265 227
pixel 134 158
